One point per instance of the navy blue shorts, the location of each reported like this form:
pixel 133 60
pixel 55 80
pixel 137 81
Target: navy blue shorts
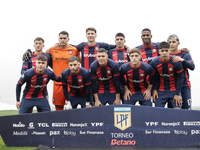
pixel 138 97
pixel 186 97
pixel 166 97
pixel 75 100
pixel 107 97
pixel 42 105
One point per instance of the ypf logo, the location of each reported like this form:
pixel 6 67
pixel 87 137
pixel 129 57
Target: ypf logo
pixel 122 117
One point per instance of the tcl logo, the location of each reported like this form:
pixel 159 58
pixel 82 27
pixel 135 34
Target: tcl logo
pixel 43 125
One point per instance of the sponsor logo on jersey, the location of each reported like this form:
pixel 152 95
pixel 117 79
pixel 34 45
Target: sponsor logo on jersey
pixel 104 79
pixel 90 55
pixel 62 58
pixel 122 117
pixel 38 86
pixel 76 87
pixel 136 81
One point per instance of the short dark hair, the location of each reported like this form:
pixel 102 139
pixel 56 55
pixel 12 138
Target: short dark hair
pixel 163 45
pixel 64 32
pixel 39 39
pixel 91 29
pixel 41 57
pixel 73 58
pixel 146 29
pixel 102 50
pixel 120 34
pixel 133 50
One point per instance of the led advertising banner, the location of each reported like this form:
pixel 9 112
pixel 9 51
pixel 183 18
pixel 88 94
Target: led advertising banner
pixel 114 125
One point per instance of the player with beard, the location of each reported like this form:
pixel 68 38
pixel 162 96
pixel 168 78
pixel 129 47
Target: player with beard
pixel 79 81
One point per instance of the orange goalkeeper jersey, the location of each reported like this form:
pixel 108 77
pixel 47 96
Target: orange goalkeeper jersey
pixel 60 58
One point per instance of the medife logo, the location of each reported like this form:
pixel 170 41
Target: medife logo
pixel 122 117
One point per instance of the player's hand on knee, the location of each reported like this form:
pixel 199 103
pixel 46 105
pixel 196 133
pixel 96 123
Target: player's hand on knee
pixel 178 100
pixel 127 95
pixel 68 106
pixel 155 95
pixel 117 102
pixel 87 104
pixel 27 55
pixel 97 103
pixel 18 104
pixel 147 95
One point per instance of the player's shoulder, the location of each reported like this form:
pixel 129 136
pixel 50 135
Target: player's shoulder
pixel 112 63
pixel 156 59
pixel 94 63
pixel 82 44
pixel 155 44
pixel 83 69
pixel 140 47
pixel 70 47
pixel 145 64
pixel 66 71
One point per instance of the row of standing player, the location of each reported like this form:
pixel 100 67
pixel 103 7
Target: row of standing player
pixel 88 50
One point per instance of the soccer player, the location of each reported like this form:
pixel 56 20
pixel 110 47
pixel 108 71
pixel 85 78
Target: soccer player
pixel 119 55
pixel 79 81
pixel 149 50
pixel 36 80
pixel 187 62
pixel 170 77
pixel 89 49
pixel 38 45
pixel 136 88
pixel 105 79
pixel 60 59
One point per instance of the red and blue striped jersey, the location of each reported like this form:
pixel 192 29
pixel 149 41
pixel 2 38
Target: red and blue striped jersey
pixel 36 84
pixel 187 64
pixel 170 74
pixel 148 53
pixel 120 56
pixel 105 79
pixel 31 62
pixel 136 77
pixel 79 83
pixel 88 53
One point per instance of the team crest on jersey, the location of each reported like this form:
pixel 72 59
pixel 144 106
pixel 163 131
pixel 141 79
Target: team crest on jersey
pixel 79 80
pixel 154 50
pixel 97 48
pixel 170 69
pixel 70 52
pixel 122 117
pixel 141 74
pixel 108 71
pixel 45 79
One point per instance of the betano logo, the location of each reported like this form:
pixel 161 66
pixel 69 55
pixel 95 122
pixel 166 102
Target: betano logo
pixel 122 117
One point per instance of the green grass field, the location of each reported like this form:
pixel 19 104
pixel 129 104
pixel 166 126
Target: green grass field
pixel 15 112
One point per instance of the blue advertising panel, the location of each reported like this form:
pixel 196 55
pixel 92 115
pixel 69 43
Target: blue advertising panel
pixel 114 125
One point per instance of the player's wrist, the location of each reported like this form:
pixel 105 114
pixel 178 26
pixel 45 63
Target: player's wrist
pixel 87 103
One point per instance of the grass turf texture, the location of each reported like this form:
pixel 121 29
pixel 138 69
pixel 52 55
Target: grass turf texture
pixel 15 112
